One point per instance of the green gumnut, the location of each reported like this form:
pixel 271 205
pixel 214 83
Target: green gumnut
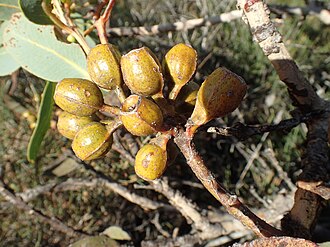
pixel 103 66
pixel 92 141
pixel 78 96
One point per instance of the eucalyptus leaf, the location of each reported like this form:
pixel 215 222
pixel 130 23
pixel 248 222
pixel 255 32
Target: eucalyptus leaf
pixel 43 121
pixel 32 10
pixel 7 64
pixel 7 8
pixel 3 27
pixel 36 49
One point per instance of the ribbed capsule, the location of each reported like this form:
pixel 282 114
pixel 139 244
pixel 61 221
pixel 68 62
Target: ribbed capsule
pixel 103 66
pixel 150 162
pixel 179 65
pixel 92 141
pixel 140 116
pixel 68 124
pixel 142 72
pixel 220 94
pixel 78 96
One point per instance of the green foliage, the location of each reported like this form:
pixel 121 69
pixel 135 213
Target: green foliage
pixel 43 123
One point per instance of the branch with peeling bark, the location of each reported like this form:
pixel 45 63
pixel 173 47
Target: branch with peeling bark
pixel 312 183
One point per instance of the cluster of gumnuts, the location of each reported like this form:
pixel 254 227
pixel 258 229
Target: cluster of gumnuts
pixel 161 99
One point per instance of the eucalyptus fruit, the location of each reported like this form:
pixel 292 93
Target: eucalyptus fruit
pixel 220 94
pixel 68 124
pixel 179 64
pixel 141 116
pixel 142 72
pixel 78 96
pixel 150 162
pixel 103 66
pixel 147 111
pixel 92 141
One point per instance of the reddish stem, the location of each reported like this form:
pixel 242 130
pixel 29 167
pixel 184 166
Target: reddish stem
pixel 100 23
pixel 230 201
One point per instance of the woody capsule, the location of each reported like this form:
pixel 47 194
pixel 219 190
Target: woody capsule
pixel 220 94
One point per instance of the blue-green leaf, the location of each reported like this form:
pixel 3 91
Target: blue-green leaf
pixel 7 8
pixel 43 121
pixel 7 64
pixel 36 49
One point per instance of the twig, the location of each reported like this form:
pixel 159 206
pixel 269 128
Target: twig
pixel 251 159
pixel 118 147
pixel 100 22
pixel 71 30
pixel 270 155
pixel 176 26
pixel 77 184
pixel 54 222
pixel 243 131
pixel 187 209
pixel 232 204
pixel 159 228
pixel 322 14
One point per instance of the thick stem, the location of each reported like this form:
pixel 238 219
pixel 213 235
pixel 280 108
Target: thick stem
pixel 230 201
pixel 256 14
pixel 316 169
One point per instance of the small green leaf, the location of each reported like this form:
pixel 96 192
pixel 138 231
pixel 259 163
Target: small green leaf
pixel 36 49
pixel 33 11
pixel 97 241
pixel 7 64
pixel 117 233
pixel 7 8
pixel 43 121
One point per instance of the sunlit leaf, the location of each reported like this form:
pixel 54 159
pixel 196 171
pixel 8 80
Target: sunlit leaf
pixel 117 233
pixel 33 11
pixel 7 8
pixel 7 64
pixel 36 49
pixel 43 122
